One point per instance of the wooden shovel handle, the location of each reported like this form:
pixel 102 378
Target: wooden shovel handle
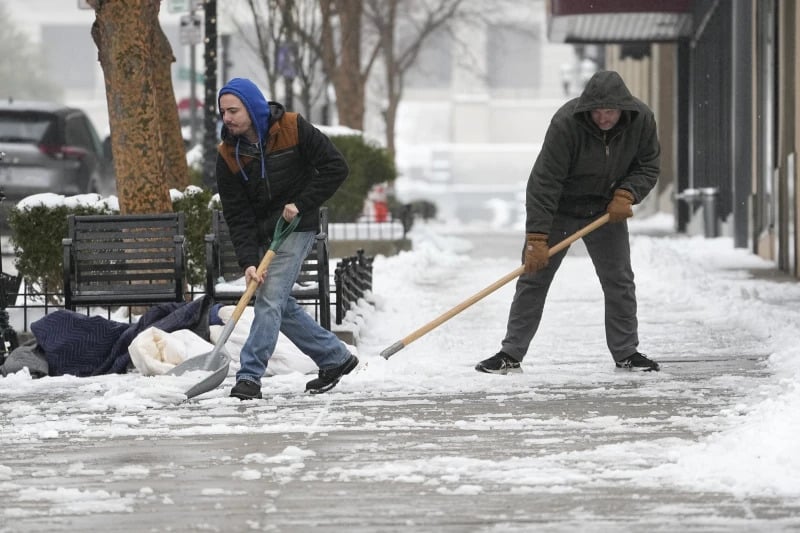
pixel 282 230
pixel 488 290
pixel 252 285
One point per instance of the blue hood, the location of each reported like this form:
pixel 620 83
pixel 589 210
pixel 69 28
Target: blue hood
pixel 258 109
pixel 252 98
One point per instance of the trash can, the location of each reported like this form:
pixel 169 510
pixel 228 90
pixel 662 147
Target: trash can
pixel 708 199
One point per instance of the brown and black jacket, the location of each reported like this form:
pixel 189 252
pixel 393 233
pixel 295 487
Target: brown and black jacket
pixel 302 166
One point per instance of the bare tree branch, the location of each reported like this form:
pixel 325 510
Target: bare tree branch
pixel 415 21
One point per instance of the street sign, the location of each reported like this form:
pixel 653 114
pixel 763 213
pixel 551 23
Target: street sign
pixel 182 6
pixel 185 74
pixel 191 31
pixel 178 6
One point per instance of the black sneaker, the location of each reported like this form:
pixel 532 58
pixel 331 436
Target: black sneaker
pixel 246 390
pixel 329 377
pixel 640 362
pixel 500 363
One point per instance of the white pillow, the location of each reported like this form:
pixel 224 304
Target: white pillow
pixel 154 351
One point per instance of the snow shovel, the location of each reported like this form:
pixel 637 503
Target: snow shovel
pixel 218 360
pixel 411 337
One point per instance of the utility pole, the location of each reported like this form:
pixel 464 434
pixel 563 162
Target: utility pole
pixel 210 113
pixel 192 86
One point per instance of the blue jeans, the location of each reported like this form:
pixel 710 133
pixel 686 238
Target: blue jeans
pixel 277 310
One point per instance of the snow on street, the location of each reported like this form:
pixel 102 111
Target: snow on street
pixel 423 441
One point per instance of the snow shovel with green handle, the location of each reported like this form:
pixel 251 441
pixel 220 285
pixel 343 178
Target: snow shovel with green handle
pixel 217 360
pixel 411 337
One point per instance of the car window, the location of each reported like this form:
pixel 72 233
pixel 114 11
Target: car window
pixel 77 133
pixel 81 132
pixel 24 127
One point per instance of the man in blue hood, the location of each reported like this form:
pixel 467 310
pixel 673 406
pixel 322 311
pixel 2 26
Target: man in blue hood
pixel 600 155
pixel 272 163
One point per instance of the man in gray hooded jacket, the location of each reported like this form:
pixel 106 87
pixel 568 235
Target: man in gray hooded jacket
pixel 600 155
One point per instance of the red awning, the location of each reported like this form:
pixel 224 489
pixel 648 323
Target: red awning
pixel 615 21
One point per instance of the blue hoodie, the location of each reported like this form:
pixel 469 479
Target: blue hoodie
pixel 258 109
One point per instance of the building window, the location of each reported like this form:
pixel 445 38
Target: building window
pixel 433 68
pixel 513 58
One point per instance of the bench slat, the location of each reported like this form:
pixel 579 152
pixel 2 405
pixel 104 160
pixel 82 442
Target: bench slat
pixel 124 260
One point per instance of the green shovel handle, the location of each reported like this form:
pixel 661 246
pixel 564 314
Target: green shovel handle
pixel 282 230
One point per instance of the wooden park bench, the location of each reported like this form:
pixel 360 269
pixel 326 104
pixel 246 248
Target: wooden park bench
pixel 312 287
pixel 119 260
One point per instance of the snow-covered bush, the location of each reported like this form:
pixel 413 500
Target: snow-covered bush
pixel 196 204
pixel 38 224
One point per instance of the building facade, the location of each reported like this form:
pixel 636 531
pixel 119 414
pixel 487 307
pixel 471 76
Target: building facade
pixel 722 77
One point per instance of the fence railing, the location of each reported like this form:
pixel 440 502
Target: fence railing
pixel 352 279
pixel 368 228
pixel 23 305
pixel 20 306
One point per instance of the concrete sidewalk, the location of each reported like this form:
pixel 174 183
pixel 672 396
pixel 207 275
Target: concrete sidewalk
pixel 267 477
pixel 570 449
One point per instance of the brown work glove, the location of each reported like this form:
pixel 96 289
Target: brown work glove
pixel 619 208
pixel 536 252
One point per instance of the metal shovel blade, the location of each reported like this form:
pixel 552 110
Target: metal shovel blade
pixel 217 361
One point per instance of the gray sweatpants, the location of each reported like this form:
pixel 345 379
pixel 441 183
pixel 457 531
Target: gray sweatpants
pixel 609 249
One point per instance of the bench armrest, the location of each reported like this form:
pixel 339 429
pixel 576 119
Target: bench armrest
pixel 66 272
pixel 212 263
pixel 180 265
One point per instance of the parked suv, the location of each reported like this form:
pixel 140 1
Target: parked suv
pixel 51 148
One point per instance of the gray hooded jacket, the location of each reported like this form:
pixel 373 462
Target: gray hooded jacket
pixel 580 166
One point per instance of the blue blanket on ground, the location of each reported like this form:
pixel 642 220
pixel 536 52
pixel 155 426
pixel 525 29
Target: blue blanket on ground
pixel 82 345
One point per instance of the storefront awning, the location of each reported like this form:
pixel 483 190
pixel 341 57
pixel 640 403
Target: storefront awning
pixel 618 21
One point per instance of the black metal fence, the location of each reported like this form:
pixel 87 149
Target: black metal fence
pixel 19 306
pixel 368 228
pixel 8 337
pixel 353 280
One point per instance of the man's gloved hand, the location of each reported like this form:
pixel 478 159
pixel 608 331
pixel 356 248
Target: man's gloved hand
pixel 619 208
pixel 536 252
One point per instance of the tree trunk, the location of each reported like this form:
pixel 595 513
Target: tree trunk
pixel 423 21
pixel 136 58
pixel 390 118
pixel 343 66
pixel 176 169
pixel 386 31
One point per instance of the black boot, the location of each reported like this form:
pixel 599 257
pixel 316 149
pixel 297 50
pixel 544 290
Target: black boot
pixel 246 390
pixel 500 363
pixel 640 362
pixel 328 378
